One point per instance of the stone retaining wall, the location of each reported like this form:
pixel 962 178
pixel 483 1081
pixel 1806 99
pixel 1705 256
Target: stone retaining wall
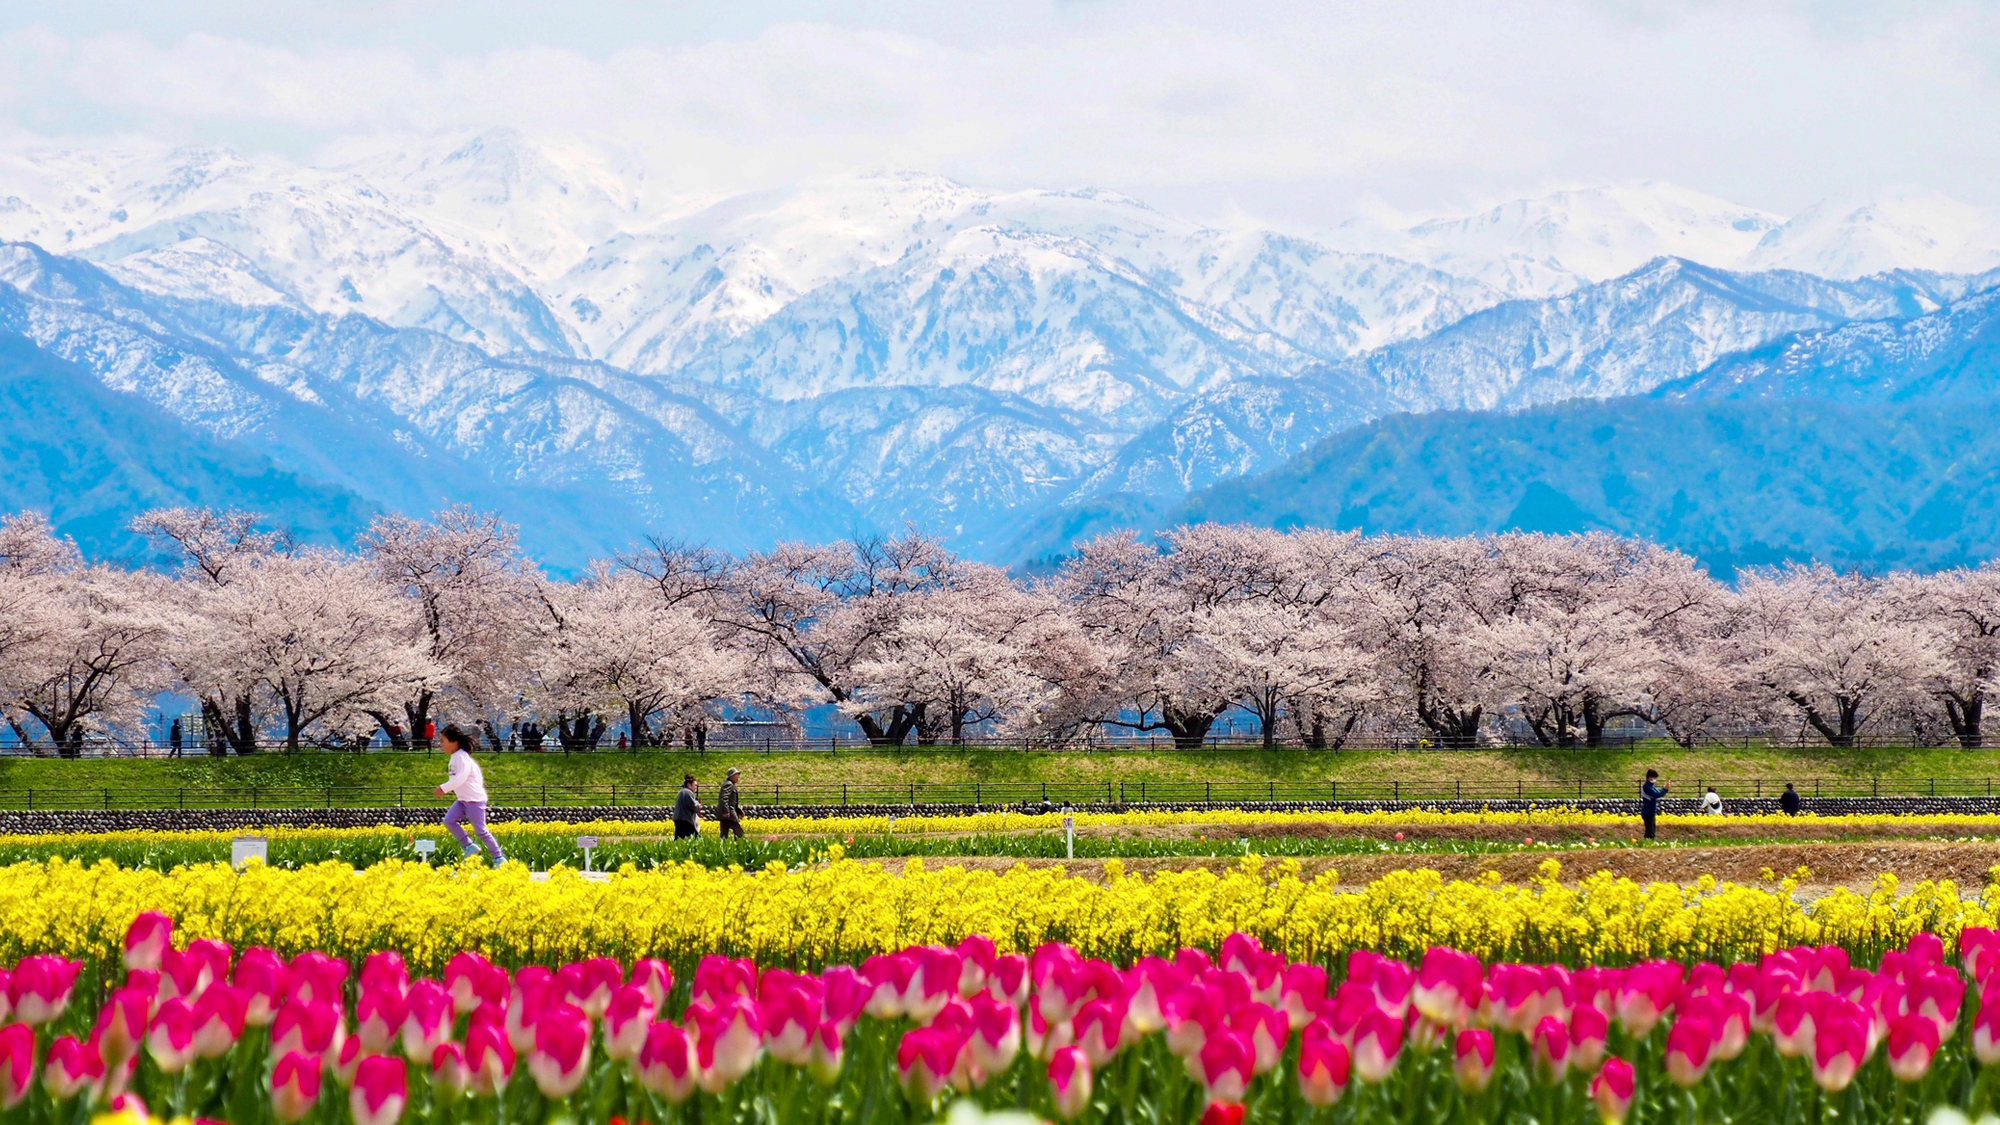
pixel 103 820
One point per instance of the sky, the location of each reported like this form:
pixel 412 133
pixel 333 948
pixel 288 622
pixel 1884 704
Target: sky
pixel 1296 114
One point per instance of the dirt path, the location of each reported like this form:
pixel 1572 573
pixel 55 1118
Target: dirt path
pixel 1853 866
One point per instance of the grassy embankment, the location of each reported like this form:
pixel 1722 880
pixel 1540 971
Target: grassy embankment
pixel 645 777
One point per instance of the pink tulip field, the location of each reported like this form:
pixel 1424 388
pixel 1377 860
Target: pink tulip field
pixel 198 1030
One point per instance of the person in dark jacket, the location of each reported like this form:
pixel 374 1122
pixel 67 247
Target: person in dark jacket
pixel 729 806
pixel 1650 792
pixel 174 739
pixel 1789 800
pixel 687 810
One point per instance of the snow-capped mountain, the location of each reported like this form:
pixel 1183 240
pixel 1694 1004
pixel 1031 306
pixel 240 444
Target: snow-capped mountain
pixel 1554 243
pixel 1856 235
pixel 543 330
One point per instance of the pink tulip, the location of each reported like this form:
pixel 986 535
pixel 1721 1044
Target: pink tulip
pixel 384 969
pixel 1302 993
pixel 218 1021
pixel 1189 1014
pixel 666 1062
pixel 655 977
pixel 1044 1038
pixel 925 1059
pixel 561 1055
pixel 317 978
pixel 295 1085
pixel 827 1054
pixel 1612 1090
pixel 1241 950
pixel 40 988
pixel 1978 952
pixel 534 989
pixel 996 1034
pixel 170 1038
pixel 489 1058
pixel 378 1094
pixel 887 974
pixel 627 1021
pixel 1007 980
pixel 1926 948
pixel 185 974
pixel 718 978
pixel 1099 1026
pixel 17 1063
pixel 1378 1039
pixel 1069 1081
pixel 1728 1018
pixel 379 1016
pixel 450 1076
pixel 1473 1061
pixel 1447 985
pixel 1550 1041
pixel 589 985
pixel 844 994
pixel 977 956
pixel 1840 1046
pixel 933 984
pixel 1986 1032
pixel 71 1068
pixel 1393 982
pixel 1147 986
pixel 1324 1065
pixel 1267 1029
pixel 1225 1066
pixel 347 1062
pixel 727 1041
pixel 1690 1045
pixel 1937 996
pixel 1646 994
pixel 150 935
pixel 260 979
pixel 306 1029
pixel 121 1025
pixel 427 1020
pixel 1588 1030
pixel 1057 973
pixel 474 982
pixel 1913 1043
pixel 1793 1025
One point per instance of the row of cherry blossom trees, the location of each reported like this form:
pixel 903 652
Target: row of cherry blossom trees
pixel 1316 638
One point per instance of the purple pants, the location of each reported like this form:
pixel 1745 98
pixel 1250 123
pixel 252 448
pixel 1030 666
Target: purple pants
pixel 475 813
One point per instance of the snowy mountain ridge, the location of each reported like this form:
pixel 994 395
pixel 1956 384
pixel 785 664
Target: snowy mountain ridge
pixel 546 331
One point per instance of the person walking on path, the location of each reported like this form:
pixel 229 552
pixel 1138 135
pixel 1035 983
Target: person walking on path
pixel 687 810
pixel 1650 792
pixel 729 806
pixel 174 739
pixel 466 784
pixel 1789 800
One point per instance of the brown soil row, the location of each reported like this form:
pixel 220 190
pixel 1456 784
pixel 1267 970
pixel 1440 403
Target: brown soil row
pixel 1853 866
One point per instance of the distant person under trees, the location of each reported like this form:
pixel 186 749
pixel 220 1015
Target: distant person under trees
pixel 1650 792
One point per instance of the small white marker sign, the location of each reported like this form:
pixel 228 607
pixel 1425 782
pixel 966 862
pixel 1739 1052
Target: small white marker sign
pixel 425 847
pixel 243 849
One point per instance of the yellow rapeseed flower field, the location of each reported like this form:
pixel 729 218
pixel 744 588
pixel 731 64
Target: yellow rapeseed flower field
pixel 844 910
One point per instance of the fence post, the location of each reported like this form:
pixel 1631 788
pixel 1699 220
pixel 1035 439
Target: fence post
pixel 614 795
pixel 107 798
pixel 843 794
pixel 1208 791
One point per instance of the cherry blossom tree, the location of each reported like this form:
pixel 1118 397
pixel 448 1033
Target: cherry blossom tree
pixel 1958 610
pixel 318 633
pixel 812 615
pixel 474 597
pixel 1835 647
pixel 214 547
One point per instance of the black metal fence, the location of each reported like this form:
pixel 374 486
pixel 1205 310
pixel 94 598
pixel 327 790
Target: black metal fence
pixel 1133 793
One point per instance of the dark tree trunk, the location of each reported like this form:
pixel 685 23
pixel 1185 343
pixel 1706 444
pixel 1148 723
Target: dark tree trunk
pixel 1965 715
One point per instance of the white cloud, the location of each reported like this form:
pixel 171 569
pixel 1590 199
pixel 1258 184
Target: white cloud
pixel 1302 109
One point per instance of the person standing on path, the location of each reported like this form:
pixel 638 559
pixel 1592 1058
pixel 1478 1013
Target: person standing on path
pixel 1650 792
pixel 174 739
pixel 1711 803
pixel 466 783
pixel 1789 801
pixel 729 806
pixel 687 810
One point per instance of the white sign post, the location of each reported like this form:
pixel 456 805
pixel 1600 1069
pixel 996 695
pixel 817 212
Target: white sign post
pixel 424 848
pixel 588 844
pixel 1069 835
pixel 243 849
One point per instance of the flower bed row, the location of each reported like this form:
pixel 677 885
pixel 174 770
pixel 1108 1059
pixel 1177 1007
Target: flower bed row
pixel 843 910
pixel 1802 1034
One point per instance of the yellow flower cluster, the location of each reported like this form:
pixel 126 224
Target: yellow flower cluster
pixel 834 826
pixel 844 910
